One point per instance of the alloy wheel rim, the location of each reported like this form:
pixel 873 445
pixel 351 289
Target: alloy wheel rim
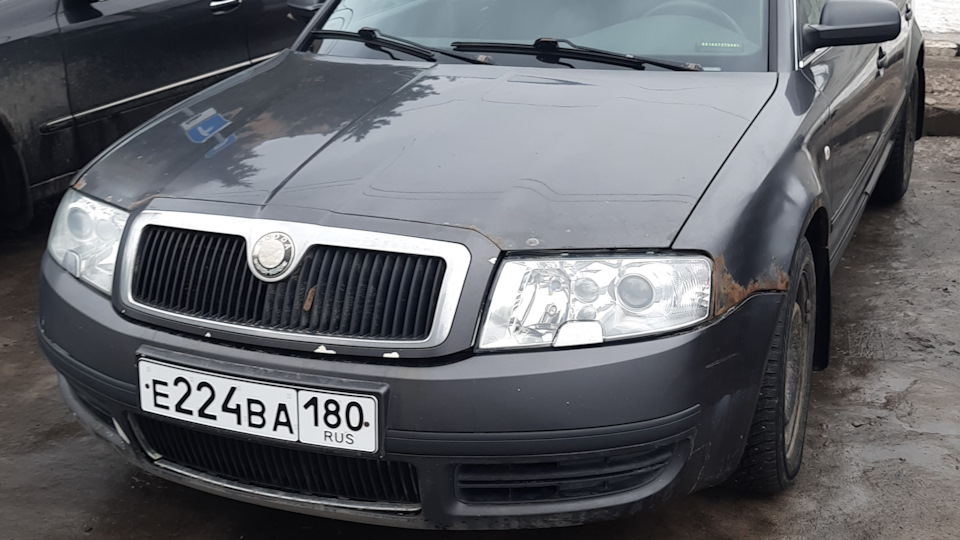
pixel 797 377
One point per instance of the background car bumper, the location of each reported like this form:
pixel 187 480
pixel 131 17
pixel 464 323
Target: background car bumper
pixel 477 428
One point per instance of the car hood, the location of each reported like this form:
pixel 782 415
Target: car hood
pixel 530 157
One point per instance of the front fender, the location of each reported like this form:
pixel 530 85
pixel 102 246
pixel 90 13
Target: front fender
pixel 764 199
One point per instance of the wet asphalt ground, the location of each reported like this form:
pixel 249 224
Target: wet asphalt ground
pixel 883 447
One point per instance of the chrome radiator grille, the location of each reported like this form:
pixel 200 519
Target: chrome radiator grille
pixel 334 291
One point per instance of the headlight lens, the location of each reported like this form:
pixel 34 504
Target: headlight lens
pixel 567 301
pixel 85 238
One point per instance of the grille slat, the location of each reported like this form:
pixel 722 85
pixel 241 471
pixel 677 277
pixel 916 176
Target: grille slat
pixel 434 289
pixel 337 292
pixel 286 308
pixel 147 277
pixel 356 289
pixel 340 293
pixel 166 272
pixel 190 270
pixel 298 295
pixel 563 480
pixel 173 284
pixel 202 290
pixel 271 312
pixel 366 312
pixel 409 317
pixel 302 318
pixel 383 289
pixel 320 289
pixel 342 320
pixel 259 303
pixel 392 297
pixel 229 278
pixel 332 268
pixel 405 275
pixel 284 469
pixel 411 486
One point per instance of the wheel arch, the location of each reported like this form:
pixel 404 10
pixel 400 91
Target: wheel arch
pixel 922 100
pixel 818 235
pixel 16 205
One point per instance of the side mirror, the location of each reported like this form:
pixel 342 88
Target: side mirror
pixel 302 10
pixel 853 22
pixel 77 11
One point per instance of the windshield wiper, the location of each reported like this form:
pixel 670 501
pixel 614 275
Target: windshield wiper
pixel 373 38
pixel 549 48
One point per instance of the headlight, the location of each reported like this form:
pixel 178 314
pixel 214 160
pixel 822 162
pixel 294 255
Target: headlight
pixel 566 301
pixel 85 238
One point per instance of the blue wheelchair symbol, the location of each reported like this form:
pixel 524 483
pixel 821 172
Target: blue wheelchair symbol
pixel 221 145
pixel 204 126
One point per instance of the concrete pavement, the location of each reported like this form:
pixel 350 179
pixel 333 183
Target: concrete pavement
pixel 943 85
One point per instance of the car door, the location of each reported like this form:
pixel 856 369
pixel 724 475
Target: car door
pixel 269 30
pixel 127 60
pixel 852 82
pixel 33 162
pixel 892 62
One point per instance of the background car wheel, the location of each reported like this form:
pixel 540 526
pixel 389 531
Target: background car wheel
pixel 771 459
pixel 15 205
pixel 895 178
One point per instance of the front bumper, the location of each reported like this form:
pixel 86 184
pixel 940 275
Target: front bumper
pixel 689 397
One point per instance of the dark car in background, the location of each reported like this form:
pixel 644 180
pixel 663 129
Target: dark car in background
pixel 75 75
pixel 486 263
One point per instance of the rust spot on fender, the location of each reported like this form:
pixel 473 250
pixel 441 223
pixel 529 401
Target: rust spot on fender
pixel 730 292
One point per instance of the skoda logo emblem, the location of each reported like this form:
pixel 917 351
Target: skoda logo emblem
pixel 272 254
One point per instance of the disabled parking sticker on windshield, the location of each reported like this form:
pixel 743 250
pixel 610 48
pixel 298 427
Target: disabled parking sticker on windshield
pixel 202 127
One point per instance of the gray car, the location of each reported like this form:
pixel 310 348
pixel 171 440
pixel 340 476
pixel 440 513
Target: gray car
pixel 76 75
pixel 486 263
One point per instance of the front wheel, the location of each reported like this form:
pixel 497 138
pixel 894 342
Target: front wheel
pixel 774 450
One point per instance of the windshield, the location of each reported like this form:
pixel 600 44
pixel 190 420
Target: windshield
pixel 727 35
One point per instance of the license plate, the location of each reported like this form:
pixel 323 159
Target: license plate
pixel 317 417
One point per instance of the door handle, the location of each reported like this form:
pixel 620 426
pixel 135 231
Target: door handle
pixel 219 7
pixel 883 60
pixel 908 12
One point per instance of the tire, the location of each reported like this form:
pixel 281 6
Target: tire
pixel 774 449
pixel 16 208
pixel 895 178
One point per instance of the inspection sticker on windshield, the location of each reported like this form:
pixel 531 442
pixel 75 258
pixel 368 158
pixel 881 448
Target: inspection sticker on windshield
pixel 317 417
pixel 718 46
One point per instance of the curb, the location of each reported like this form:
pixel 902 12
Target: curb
pixel 942 48
pixel 940 122
pixel 943 81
